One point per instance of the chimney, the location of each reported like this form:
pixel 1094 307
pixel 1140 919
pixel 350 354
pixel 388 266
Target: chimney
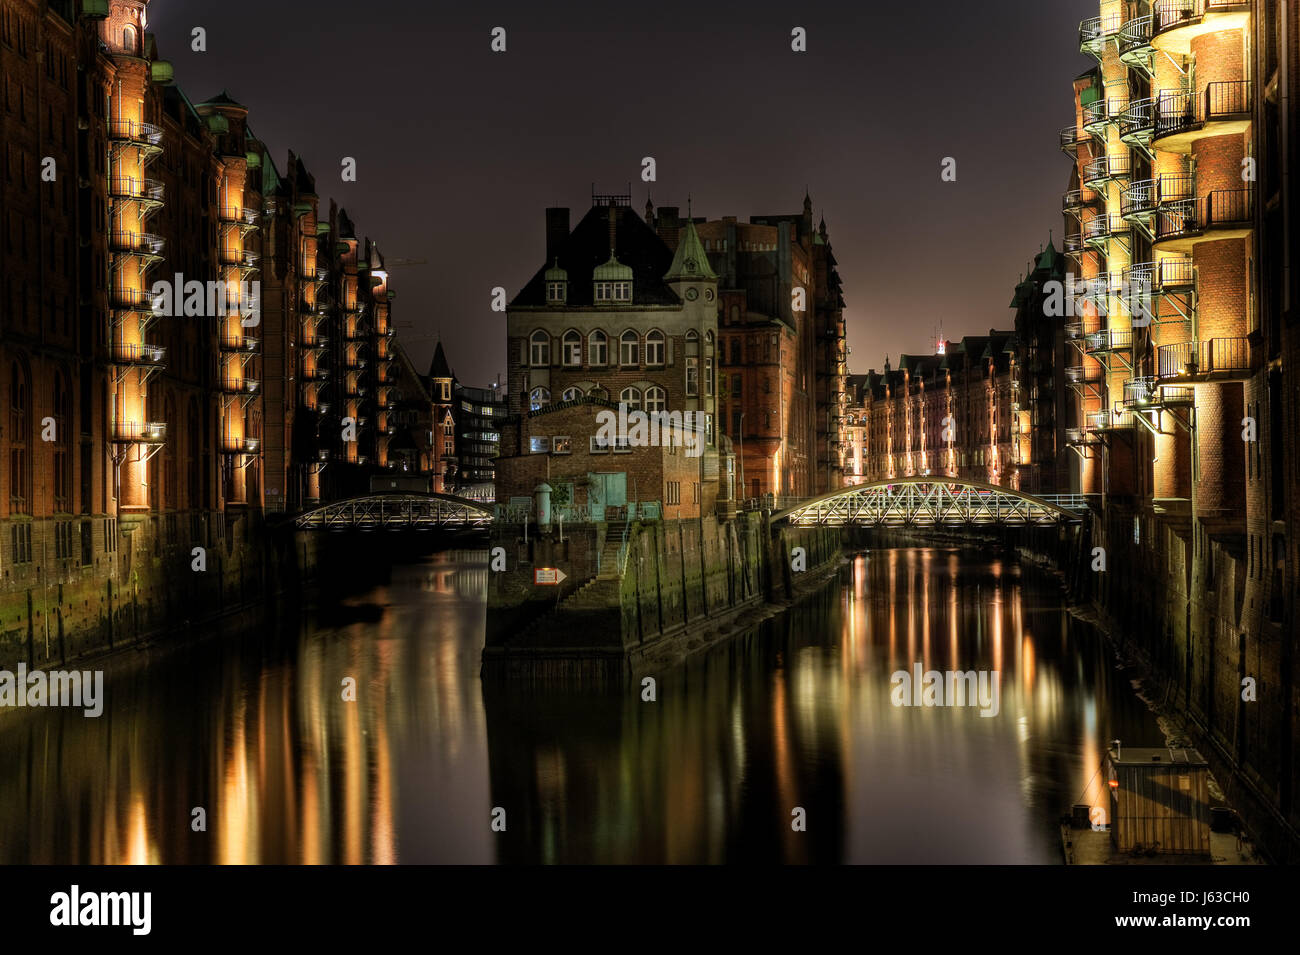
pixel 613 229
pixel 557 231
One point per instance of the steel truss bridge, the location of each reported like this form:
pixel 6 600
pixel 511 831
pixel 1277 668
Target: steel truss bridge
pixel 397 512
pixel 931 502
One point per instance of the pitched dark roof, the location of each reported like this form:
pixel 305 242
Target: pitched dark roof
pixel 439 368
pixel 223 99
pixel 587 247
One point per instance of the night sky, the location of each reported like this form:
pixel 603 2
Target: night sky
pixel 460 149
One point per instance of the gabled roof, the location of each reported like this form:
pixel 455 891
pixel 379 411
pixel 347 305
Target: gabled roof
pixel 439 367
pixel 223 99
pixel 690 260
pixel 587 247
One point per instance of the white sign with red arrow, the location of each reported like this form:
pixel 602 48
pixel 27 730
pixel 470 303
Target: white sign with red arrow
pixel 548 576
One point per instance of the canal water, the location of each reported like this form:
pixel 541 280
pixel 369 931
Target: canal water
pixel 793 721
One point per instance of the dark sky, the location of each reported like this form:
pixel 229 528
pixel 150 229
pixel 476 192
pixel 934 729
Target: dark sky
pixel 460 149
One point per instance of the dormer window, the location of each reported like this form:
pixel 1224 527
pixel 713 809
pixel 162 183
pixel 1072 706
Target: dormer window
pixel 613 291
pixel 557 284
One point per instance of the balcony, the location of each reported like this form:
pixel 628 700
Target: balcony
pixel 1099 288
pixel 1137 124
pixel 136 133
pixel 354 363
pixel 1116 419
pixel 316 343
pixel 1072 137
pixel 1166 276
pixel 1135 41
pixel 144 244
pixel 143 356
pixel 355 391
pixel 238 345
pixel 1104 169
pixel 1184 116
pixel 136 299
pixel 236 445
pixel 1101 229
pixel 1075 201
pixel 1083 374
pixel 1218 359
pixel 1095 34
pixel 1101 113
pixel 1073 243
pixel 316 375
pixel 1223 214
pixel 1108 340
pixel 242 258
pixel 1148 394
pixel 243 217
pixel 144 190
pixel 139 432
pixel 1177 22
pixel 231 385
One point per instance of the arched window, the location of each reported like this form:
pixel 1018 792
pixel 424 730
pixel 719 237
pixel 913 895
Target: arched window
pixel 692 335
pixel 538 398
pixel 599 392
pixel 539 352
pixel 656 399
pixel 598 348
pixel 20 400
pixel 629 349
pixel 572 348
pixel 630 397
pixel 654 348
pixel 571 394
pixel 62 444
pixel 131 40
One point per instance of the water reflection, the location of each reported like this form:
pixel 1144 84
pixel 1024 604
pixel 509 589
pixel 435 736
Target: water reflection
pixel 254 730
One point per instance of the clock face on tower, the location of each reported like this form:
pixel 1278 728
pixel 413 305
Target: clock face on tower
pixel 692 294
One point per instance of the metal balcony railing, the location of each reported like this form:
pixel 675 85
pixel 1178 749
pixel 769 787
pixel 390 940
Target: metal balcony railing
pixel 1109 340
pixel 316 374
pixel 315 344
pixel 1113 420
pixel 1180 111
pixel 139 190
pixel 136 243
pixel 1139 198
pixel 133 131
pixel 1073 243
pixel 1204 359
pixel 139 432
pixel 230 343
pixel 241 257
pixel 1135 39
pixel 238 445
pixel 231 385
pixel 1071 137
pixel 1101 112
pixel 1172 14
pixel 145 355
pixel 1096 32
pixel 1077 199
pixel 134 298
pixel 1222 209
pixel 1105 168
pixel 1138 121
pixel 241 216
pixel 1164 276
pixel 1082 374
pixel 1102 228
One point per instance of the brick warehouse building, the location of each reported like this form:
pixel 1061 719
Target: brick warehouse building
pixel 615 316
pixel 1182 140
pixel 130 436
pixel 781 368
pixel 895 419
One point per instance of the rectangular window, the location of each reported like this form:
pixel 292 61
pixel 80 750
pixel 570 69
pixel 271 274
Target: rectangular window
pixel 562 444
pixel 708 377
pixel 673 492
pixel 598 445
pixel 539 445
pixel 692 377
pixel 622 291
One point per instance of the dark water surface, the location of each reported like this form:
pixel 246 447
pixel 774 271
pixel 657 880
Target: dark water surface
pixel 253 728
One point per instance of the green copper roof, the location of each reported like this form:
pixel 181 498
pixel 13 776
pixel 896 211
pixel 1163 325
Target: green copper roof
pixel 612 271
pixel 690 262
pixel 556 274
